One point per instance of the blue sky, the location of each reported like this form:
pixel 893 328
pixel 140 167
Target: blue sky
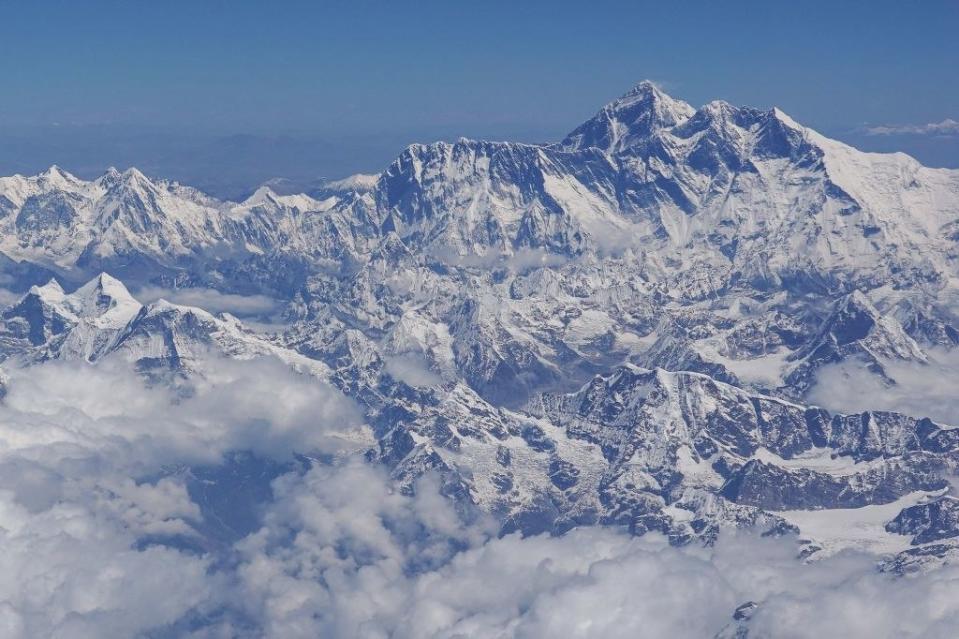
pixel 341 73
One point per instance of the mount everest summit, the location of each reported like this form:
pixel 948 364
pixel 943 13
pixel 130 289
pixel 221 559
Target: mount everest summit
pixel 623 328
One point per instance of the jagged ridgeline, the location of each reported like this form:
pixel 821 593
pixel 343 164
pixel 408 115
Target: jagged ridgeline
pixel 624 327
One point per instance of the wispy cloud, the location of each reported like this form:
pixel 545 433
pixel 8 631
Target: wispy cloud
pixel 413 369
pixel 212 300
pixel 945 127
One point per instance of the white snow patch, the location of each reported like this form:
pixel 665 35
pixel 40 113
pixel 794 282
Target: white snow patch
pixel 855 528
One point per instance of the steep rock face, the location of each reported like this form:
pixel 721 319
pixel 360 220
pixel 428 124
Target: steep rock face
pixel 39 315
pixel 767 486
pixel 478 197
pixel 928 522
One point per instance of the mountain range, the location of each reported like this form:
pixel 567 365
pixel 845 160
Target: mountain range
pixel 624 328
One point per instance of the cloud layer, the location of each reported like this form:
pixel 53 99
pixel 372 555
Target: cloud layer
pixel 340 555
pixel 85 455
pixel 212 300
pixel 945 127
pixel 102 536
pixel 921 390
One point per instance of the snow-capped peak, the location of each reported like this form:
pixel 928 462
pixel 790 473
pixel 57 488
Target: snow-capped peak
pixel 104 300
pixel 649 95
pixel 267 197
pixel 162 306
pixel 114 182
pixel 263 195
pixel 58 178
pixel 134 180
pixel 631 118
pixel 103 285
pixel 644 88
pixel 718 108
pixel 89 317
pixel 360 182
pixel 110 178
pixel 51 292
